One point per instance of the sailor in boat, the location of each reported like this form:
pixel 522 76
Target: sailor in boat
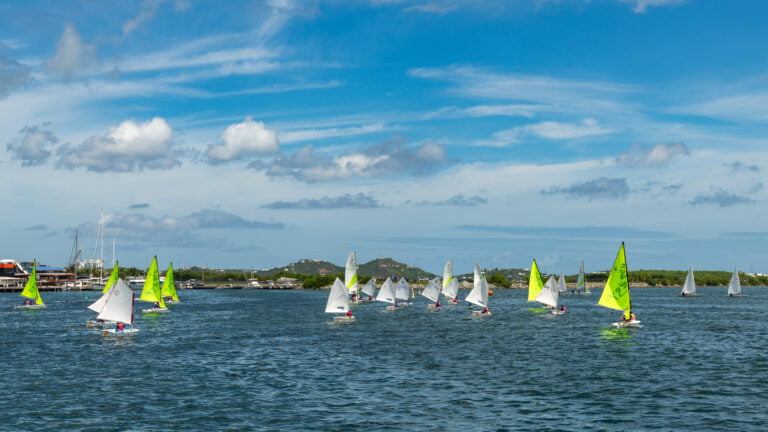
pixel 485 311
pixel 349 314
pixel 562 308
pixel 455 300
pixel 120 327
pixel 437 305
pixel 27 302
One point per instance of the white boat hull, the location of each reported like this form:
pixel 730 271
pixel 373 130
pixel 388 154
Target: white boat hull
pixel 630 323
pixel 344 319
pixel 392 307
pixel 155 310
pixel 118 333
pixel 32 306
pixel 434 308
pixel 558 312
pixel 101 324
pixel 172 302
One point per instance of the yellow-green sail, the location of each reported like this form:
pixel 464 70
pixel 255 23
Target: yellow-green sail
pixel 112 279
pixel 616 292
pixel 30 289
pixel 151 290
pixel 169 289
pixel 534 282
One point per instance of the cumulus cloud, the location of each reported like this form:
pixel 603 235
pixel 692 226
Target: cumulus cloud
pixel 553 130
pixel 359 200
pixel 12 74
pixel 387 158
pixel 128 147
pixel 598 189
pixel 657 156
pixel 455 201
pixel 181 231
pixel 241 140
pixel 721 198
pixel 72 56
pixel 32 148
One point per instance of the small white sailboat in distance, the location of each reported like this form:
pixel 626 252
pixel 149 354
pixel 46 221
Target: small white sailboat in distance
pixel 31 291
pixel 118 308
pixel 689 287
pixel 432 292
pixel 734 287
pixel 581 282
pixel 370 288
pixel 350 277
pixel 561 283
pixel 403 292
pixel 479 295
pixel 387 294
pixel 338 302
pixel 450 285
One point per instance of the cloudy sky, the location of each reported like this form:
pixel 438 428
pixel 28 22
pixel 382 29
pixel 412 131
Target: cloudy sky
pixel 250 134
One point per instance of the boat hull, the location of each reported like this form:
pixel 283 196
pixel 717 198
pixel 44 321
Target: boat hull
pixel 100 324
pixel 33 306
pixel 155 310
pixel 119 333
pixel 344 319
pixel 631 323
pixel 480 314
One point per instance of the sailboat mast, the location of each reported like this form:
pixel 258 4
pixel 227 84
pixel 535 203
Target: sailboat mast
pixel 101 253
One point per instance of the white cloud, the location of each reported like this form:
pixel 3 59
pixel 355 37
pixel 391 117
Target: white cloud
pixel 641 6
pixel 32 149
pixel 147 12
pixel 313 134
pixel 244 139
pixel 128 147
pixel 752 106
pixel 72 56
pixel 656 156
pixel 553 130
pixel 510 110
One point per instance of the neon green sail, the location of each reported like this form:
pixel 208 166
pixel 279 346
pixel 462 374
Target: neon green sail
pixel 112 279
pixel 616 292
pixel 30 289
pixel 151 291
pixel 169 289
pixel 534 282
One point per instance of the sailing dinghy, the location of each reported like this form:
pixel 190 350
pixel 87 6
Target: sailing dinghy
pixel 117 307
pixel 387 294
pixel 151 291
pixel 734 287
pixel 479 294
pixel 616 292
pixel 369 289
pixel 98 304
pixel 432 292
pixel 31 291
pixel 581 283
pixel 549 296
pixel 168 291
pixel 450 285
pixel 403 292
pixel 338 302
pixel 350 277
pixel 689 287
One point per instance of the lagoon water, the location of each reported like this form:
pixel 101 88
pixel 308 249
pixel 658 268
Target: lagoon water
pixel 270 361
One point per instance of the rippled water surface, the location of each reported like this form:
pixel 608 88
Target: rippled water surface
pixel 260 360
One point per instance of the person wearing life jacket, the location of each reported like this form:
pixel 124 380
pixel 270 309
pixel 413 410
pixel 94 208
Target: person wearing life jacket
pixel 455 300
pixel 349 314
pixel 437 305
pixel 485 310
pixel 632 316
pixel 120 326
pixel 562 308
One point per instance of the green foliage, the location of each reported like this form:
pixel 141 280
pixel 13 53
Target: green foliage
pixel 320 281
pixel 499 279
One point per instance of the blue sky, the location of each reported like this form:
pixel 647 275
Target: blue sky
pixel 250 134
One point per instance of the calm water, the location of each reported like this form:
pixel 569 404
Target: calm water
pixel 257 360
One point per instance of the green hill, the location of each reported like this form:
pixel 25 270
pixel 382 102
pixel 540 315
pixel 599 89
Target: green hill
pixel 383 268
pixel 305 267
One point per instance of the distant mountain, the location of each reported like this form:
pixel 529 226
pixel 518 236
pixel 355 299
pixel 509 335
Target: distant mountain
pixel 305 267
pixel 383 268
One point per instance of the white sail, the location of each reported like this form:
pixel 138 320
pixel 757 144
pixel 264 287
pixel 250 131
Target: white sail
pixel 479 294
pixel 338 299
pixel 98 305
pixel 561 283
pixel 476 278
pixel 581 282
pixel 549 294
pixel 689 288
pixel 119 305
pixel 734 288
pixel 369 288
pixel 387 292
pixel 402 290
pixel 450 284
pixel 432 291
pixel 350 273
